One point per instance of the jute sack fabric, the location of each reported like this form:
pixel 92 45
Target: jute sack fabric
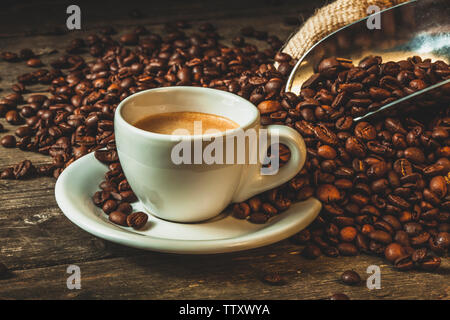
pixel 329 19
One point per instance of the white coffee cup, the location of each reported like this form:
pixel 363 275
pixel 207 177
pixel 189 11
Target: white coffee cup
pixel 193 192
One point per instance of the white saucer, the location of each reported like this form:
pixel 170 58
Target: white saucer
pixel 80 180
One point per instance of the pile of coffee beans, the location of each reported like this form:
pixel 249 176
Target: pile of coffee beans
pixel 383 183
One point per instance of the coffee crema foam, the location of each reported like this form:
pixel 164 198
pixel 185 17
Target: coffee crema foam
pixel 172 122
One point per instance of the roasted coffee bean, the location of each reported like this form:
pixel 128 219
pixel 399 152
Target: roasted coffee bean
pixel 8 141
pixel 34 62
pixel 124 207
pixel 241 210
pixel 129 38
pixel 347 249
pixel 119 218
pixel 415 155
pixel 7 174
pixel 326 152
pixel 258 218
pixel 404 263
pixel 281 204
pixel 311 252
pixel 137 220
pixel 394 251
pixel 348 234
pixel 365 131
pixel 269 106
pixel 106 156
pixel 355 147
pixel 438 185
pixel 13 117
pixel 440 243
pixel 350 277
pixel 24 169
pixel 24 131
pixel 302 237
pixel 255 204
pixel 100 197
pixel 392 221
pixel 430 263
pixel 325 135
pixel 328 193
pixel 269 209
pixel 128 196
pixel 9 56
pixel 412 228
pixel 419 255
pixel 380 236
pixel 420 239
pixel 379 94
pixel 109 206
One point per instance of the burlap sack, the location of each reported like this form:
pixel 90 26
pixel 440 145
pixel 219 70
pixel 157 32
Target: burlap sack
pixel 329 19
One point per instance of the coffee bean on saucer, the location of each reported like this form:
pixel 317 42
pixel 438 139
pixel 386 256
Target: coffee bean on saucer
pixel 128 196
pixel 241 210
pixel 137 220
pixel 255 204
pixel 350 277
pixel 258 218
pixel 109 206
pixel 100 197
pixel 119 218
pixel 124 207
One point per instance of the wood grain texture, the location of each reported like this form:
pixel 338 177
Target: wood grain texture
pixel 225 276
pixel 38 242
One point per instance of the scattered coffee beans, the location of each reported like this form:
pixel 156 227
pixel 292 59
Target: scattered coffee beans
pixel 383 182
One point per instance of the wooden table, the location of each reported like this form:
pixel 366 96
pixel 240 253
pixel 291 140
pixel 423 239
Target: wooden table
pixel 38 242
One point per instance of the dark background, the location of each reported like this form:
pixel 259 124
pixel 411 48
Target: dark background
pixel 46 17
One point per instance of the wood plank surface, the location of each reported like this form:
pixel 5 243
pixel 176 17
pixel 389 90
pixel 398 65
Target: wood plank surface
pixel 38 243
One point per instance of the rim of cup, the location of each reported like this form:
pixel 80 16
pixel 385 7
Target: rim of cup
pixel 119 120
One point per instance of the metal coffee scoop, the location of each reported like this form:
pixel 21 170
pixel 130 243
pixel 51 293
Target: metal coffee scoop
pixel 413 28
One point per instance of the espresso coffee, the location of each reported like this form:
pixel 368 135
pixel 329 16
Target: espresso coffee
pixel 191 122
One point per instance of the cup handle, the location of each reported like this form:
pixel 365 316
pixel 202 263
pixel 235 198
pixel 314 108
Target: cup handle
pixel 255 182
